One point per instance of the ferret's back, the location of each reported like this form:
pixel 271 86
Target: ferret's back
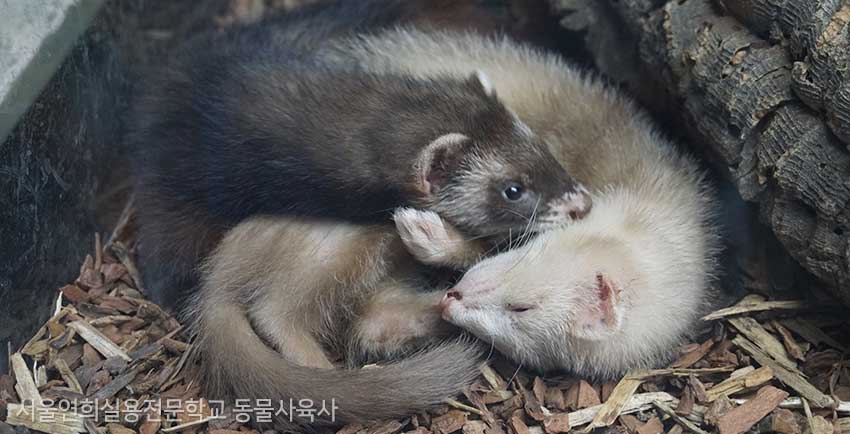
pixel 569 108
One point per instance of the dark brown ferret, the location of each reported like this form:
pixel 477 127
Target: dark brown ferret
pixel 252 122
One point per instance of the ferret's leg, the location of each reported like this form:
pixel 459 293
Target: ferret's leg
pixel 433 241
pixel 293 342
pixel 291 334
pixel 306 275
pixel 398 318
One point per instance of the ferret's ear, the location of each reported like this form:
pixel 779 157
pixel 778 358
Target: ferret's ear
pixel 600 321
pixel 521 126
pixel 479 78
pixel 438 160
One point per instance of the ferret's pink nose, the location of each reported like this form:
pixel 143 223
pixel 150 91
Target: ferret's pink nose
pixel 571 206
pixel 448 298
pixel 579 205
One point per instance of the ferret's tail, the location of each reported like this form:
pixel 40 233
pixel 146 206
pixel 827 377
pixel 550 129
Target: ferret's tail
pixel 239 365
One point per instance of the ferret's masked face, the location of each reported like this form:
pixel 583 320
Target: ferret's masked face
pixel 532 301
pixel 499 181
pixel 528 190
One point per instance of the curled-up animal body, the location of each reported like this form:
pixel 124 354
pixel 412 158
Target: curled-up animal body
pixel 280 296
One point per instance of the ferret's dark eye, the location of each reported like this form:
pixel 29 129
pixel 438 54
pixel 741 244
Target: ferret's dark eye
pixel 513 192
pixel 518 307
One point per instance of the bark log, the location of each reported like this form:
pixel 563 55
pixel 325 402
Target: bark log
pixel 762 87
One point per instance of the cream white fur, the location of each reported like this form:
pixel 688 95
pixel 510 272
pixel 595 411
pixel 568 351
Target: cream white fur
pixel 658 266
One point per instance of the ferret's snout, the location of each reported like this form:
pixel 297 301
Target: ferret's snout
pixel 578 204
pixel 571 206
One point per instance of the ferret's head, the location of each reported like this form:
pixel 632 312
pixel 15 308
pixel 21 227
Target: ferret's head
pixel 586 297
pixel 495 177
pixel 534 308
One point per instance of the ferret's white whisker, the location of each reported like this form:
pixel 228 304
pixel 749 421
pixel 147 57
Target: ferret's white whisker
pixel 516 372
pixel 515 213
pixel 492 348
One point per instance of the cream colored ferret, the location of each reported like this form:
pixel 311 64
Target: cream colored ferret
pixel 614 291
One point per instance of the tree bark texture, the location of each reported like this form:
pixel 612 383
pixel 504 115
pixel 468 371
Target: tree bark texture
pixel 762 87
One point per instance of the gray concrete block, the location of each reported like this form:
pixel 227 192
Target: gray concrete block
pixel 35 37
pixel 63 171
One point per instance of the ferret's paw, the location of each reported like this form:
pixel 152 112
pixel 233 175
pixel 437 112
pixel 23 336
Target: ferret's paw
pixel 401 323
pixel 427 237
